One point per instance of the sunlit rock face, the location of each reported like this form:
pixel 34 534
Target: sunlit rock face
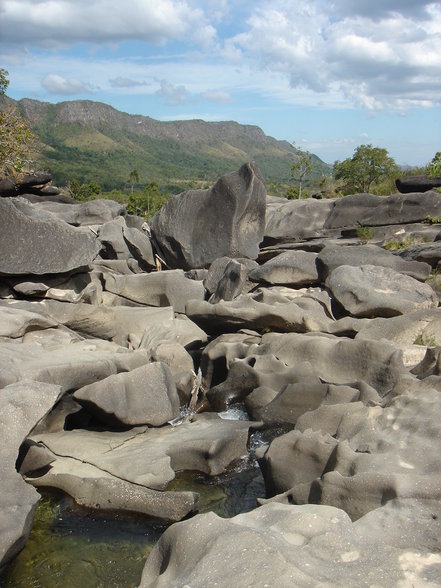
pixel 198 226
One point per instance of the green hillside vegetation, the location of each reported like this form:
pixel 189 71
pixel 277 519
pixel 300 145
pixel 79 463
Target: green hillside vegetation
pixel 87 142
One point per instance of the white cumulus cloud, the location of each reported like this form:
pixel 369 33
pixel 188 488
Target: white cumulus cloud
pixel 377 53
pixel 58 85
pixel 172 95
pixel 218 96
pixel 60 22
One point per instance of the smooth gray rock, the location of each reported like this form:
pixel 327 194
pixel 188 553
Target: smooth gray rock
pixel 112 240
pixel 381 454
pixel 302 313
pixel 198 226
pixel 333 256
pixel 292 268
pixel 296 458
pixel 140 246
pixel 284 546
pixel 218 272
pixel 144 327
pixel 420 183
pixel 175 356
pixel 338 360
pixel 70 366
pixel 81 287
pixel 121 242
pixel 166 288
pixel 307 360
pixel 144 396
pixel 93 212
pixel 419 326
pixel 234 280
pixel 219 353
pixel 151 456
pixel 15 322
pixel 97 489
pixel 40 244
pixel 371 211
pixel 373 291
pixel 22 405
pixel 296 219
pixel 423 252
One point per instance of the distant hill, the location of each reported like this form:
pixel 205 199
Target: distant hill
pixel 92 141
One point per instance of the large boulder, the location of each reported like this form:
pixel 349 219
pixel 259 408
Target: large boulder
pixel 417 184
pixel 296 219
pixel 22 405
pixel 369 291
pixel 144 396
pixel 198 226
pixel 282 546
pixel 70 366
pixel 150 457
pixel 292 268
pixel 167 288
pixel 38 243
pixel 333 256
pixel 95 488
pixel 93 212
pixel 380 455
pixel 372 211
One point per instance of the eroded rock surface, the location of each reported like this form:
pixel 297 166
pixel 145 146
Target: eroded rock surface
pixel 198 226
pixel 113 365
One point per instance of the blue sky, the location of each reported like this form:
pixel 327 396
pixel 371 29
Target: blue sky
pixel 327 74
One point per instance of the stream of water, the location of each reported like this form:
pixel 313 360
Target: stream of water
pixel 73 547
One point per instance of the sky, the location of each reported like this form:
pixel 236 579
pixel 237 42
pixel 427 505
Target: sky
pixel 328 75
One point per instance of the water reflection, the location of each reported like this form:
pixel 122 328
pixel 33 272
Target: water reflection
pixel 72 547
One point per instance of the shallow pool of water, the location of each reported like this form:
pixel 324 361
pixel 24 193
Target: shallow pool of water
pixel 77 548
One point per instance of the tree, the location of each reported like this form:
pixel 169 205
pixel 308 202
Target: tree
pixel 434 167
pixel 302 167
pixel 4 81
pixel 16 136
pixel 368 166
pixel 147 202
pixel 133 178
pixel 84 192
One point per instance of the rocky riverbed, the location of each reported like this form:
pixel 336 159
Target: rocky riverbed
pixel 122 345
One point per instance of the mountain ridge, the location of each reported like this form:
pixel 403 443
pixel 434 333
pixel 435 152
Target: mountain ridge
pixel 93 141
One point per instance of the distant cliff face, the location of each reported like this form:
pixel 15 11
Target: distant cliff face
pixel 97 113
pixel 89 140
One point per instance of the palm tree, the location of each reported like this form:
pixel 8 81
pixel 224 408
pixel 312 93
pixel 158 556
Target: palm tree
pixel 133 178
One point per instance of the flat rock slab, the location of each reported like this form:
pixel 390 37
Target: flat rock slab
pixel 371 211
pixel 144 396
pixel 333 256
pixel 166 288
pixel 198 226
pixel 372 291
pixel 94 488
pixel 34 243
pixel 292 268
pixel 283 546
pixel 150 457
pixel 94 212
pixel 22 405
pixel 418 327
pixel 296 219
pixel 301 314
pixel 126 326
pixel 14 322
pixel 70 366
pixel 380 454
pixel 337 360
